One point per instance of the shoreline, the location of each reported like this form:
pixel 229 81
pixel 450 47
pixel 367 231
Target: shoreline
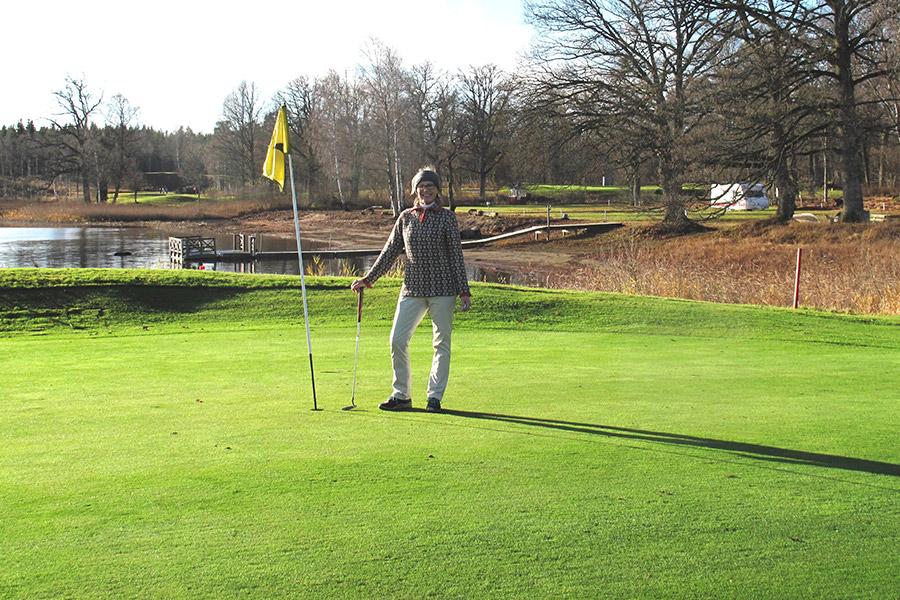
pixel 366 229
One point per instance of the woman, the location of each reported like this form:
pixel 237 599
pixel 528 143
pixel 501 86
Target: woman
pixel 428 235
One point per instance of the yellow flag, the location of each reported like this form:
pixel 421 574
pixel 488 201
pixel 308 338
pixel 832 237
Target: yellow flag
pixel 279 147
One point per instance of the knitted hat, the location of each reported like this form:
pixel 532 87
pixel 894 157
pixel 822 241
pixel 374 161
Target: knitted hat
pixel 426 175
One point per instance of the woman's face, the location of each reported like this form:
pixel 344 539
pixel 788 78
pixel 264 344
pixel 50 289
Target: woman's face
pixel 426 192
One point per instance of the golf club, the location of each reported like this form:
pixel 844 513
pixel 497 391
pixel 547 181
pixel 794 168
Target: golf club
pixel 356 360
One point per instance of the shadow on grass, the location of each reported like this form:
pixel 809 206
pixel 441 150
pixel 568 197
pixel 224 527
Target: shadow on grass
pixel 755 451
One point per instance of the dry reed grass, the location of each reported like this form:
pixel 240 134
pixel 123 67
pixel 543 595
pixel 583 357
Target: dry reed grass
pixel 845 268
pixel 126 212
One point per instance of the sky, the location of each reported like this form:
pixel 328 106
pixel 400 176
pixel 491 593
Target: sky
pixel 177 60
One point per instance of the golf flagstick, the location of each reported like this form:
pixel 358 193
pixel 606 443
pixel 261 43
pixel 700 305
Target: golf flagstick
pixel 356 360
pixel 302 279
pixel 273 168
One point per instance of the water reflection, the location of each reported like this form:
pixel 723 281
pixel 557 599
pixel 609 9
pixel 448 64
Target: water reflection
pixel 138 248
pixel 82 247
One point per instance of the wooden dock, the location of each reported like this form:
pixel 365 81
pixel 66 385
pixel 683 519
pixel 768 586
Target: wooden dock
pixel 197 249
pixel 574 228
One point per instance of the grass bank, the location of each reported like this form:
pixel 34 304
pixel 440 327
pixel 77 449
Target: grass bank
pixel 158 442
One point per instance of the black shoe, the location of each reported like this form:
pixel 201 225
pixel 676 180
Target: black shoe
pixel 434 405
pixel 393 403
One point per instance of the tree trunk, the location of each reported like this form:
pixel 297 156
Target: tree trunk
pixel 482 178
pixel 398 177
pixel 354 186
pixel 672 197
pixel 851 175
pixel 392 188
pixel 337 166
pixel 674 209
pixel 787 193
pixel 785 184
pixel 636 187
pixel 86 185
pixel 450 181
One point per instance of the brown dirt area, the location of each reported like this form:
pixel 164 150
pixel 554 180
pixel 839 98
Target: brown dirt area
pixel 529 256
pixel 370 228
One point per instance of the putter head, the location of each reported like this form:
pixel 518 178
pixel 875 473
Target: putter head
pixel 351 407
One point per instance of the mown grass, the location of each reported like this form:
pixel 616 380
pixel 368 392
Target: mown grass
pixel 157 441
pixel 157 198
pixel 91 301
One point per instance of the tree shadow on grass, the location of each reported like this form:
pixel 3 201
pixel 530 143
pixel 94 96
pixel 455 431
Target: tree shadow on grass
pixel 755 451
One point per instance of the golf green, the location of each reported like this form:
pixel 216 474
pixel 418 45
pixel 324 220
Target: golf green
pixel 157 440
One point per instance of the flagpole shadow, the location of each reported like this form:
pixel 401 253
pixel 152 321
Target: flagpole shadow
pixel 754 451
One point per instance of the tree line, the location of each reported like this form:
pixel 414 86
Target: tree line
pixel 96 147
pixel 679 94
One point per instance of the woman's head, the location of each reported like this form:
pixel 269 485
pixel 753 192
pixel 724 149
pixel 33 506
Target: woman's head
pixel 426 186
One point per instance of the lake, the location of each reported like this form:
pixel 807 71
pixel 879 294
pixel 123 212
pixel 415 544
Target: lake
pixel 145 248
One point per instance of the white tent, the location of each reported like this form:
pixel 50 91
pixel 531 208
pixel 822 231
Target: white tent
pixel 739 196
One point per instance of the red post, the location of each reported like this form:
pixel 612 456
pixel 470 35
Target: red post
pixel 797 279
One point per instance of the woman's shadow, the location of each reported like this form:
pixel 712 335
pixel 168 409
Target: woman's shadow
pixel 755 451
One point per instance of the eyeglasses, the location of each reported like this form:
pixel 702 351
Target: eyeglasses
pixel 425 186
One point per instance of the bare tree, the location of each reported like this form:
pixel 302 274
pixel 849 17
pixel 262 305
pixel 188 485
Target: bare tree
pixel 849 33
pixel 885 91
pixel 333 95
pixel 339 132
pixel 121 141
pixel 428 91
pixel 839 39
pixel 769 109
pixel 454 146
pixel 549 147
pixel 386 83
pixel 485 94
pixel 299 98
pixel 74 139
pixel 238 133
pixel 188 149
pixel 435 104
pixel 639 65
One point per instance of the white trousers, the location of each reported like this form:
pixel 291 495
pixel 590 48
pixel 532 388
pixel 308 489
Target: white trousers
pixel 410 312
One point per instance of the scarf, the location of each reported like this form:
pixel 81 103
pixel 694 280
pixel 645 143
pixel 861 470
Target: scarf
pixel 424 208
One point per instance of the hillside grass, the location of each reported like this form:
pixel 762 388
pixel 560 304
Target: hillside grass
pixel 157 441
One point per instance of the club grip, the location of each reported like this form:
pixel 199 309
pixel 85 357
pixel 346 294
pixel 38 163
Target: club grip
pixel 359 306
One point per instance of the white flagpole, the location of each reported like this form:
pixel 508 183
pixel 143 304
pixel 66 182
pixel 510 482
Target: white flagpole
pixel 302 279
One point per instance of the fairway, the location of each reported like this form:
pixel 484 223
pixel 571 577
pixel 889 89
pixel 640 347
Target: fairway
pixel 157 441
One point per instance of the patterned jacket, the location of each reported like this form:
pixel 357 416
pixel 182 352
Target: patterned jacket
pixel 434 260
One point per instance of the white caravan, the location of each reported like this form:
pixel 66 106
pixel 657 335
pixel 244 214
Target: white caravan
pixel 739 196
